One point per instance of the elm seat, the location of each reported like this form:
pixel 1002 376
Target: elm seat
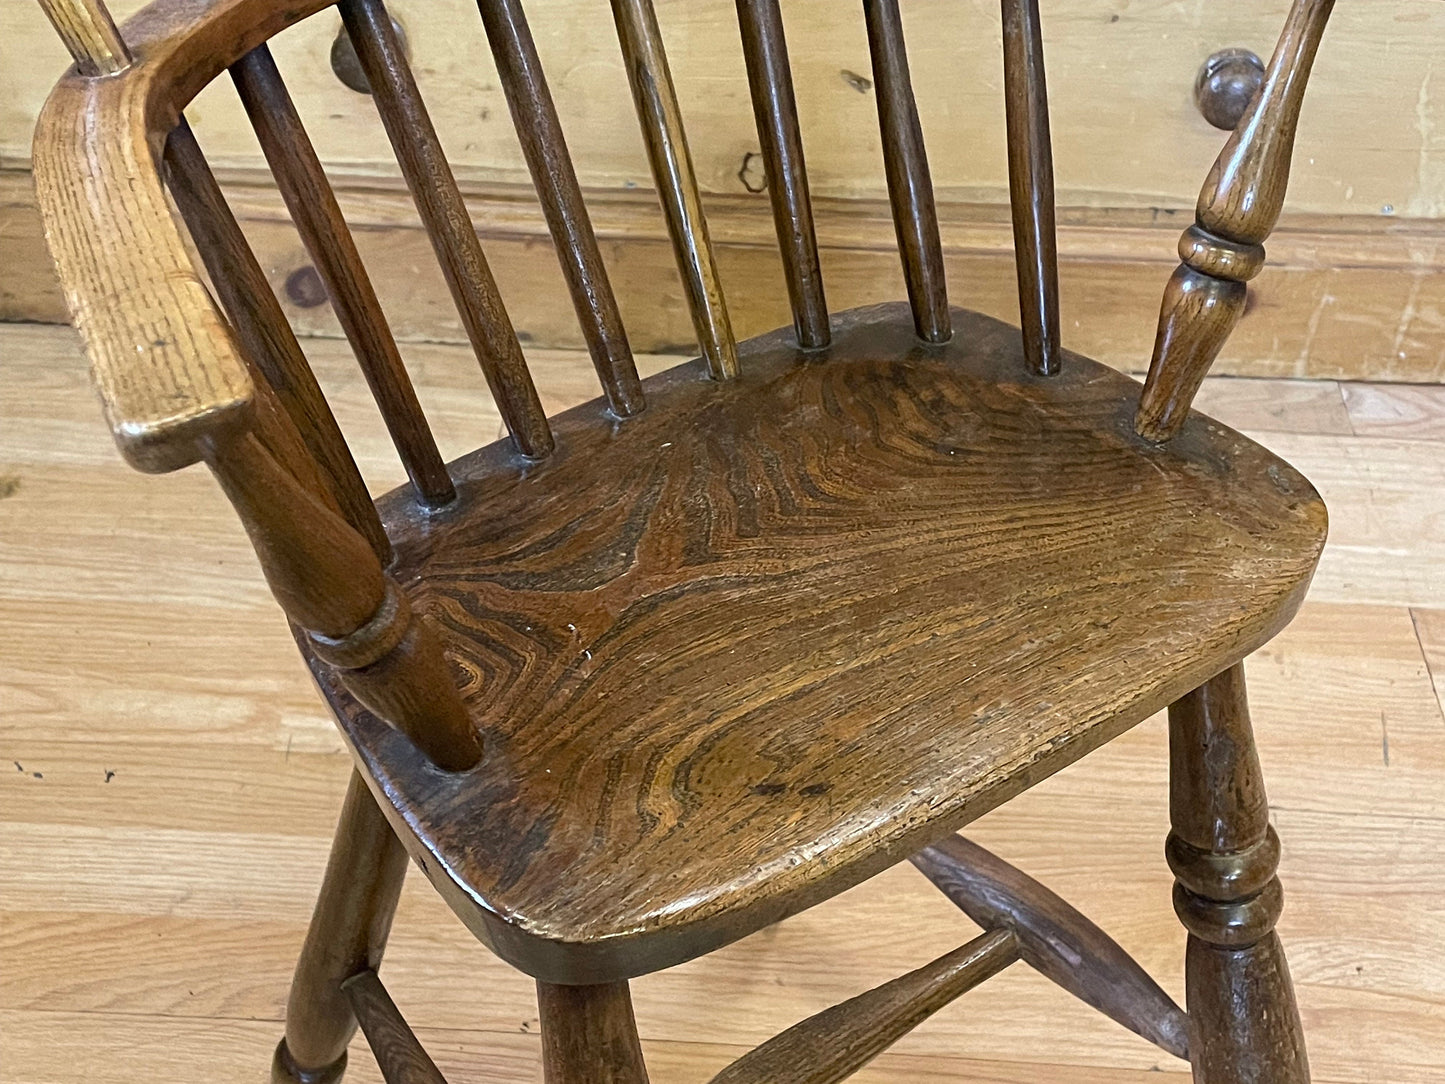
pixel 974 574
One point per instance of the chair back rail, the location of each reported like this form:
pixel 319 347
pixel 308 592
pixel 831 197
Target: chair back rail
pixel 905 164
pixel 770 83
pixel 662 130
pixel 540 131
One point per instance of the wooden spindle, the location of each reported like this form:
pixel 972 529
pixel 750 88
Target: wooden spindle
pixel 444 214
pixel 662 129
pixel 319 220
pixel 905 163
pixel 330 583
pixel 836 1043
pixel 263 332
pixel 770 80
pixel 589 1035
pixel 398 1052
pixel 1238 209
pixel 540 131
pixel 1031 183
pixel 90 34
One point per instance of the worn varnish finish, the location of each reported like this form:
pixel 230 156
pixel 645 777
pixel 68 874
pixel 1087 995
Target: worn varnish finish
pixel 1031 182
pixel 704 666
pixel 770 82
pixel 662 130
pixel 1224 249
pixel 591 602
pixel 545 148
pixel 1223 851
pixel 1055 939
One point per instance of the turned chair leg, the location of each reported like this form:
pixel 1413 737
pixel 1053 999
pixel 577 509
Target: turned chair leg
pixel 589 1035
pixel 1244 1026
pixel 347 934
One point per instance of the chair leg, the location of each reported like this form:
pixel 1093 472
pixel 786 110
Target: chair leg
pixel 1244 1026
pixel 589 1035
pixel 347 934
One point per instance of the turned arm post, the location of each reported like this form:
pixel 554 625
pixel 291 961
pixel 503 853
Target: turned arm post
pixel 1224 249
pixel 356 618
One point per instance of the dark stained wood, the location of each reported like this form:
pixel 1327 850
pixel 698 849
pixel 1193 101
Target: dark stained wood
pixel 1238 209
pixel 319 220
pixel 589 1035
pixel 444 214
pixel 1031 182
pixel 354 616
pixel 910 188
pixel 1246 1028
pixel 1055 940
pixel 662 130
pixel 348 933
pixel 649 570
pixel 839 1041
pixel 545 148
pixel 265 337
pixel 770 82
pixel 398 1053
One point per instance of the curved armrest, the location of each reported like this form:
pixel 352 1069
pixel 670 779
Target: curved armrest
pixel 169 373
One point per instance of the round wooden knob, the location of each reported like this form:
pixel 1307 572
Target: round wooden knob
pixel 347 65
pixel 1227 83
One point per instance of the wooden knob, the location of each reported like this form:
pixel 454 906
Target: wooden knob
pixel 1226 84
pixel 347 65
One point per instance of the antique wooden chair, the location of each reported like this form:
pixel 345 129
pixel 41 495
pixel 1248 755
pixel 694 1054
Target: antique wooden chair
pixel 660 671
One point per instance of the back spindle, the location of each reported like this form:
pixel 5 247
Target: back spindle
pixel 323 230
pixel 771 82
pixel 905 163
pixel 1238 209
pixel 264 335
pixel 1031 183
pixel 540 131
pixel 661 119
pixel 444 214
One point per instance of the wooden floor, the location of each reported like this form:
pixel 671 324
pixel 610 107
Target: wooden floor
pixel 171 781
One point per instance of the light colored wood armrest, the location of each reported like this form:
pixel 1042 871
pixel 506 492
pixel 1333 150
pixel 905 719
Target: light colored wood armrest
pixel 169 374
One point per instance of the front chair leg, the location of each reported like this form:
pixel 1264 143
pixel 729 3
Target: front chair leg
pixel 347 934
pixel 1244 1026
pixel 589 1035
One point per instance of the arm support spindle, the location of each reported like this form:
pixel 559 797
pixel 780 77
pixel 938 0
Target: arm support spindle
pixel 1224 249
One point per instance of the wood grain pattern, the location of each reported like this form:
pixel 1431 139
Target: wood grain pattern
pixel 137 949
pixel 770 84
pixel 839 1041
pixel 535 118
pixel 699 596
pixel 645 58
pixel 1055 939
pixel 1031 182
pixel 327 238
pixel 1238 209
pixel 444 214
pixel 90 34
pixel 401 1057
pixel 905 163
